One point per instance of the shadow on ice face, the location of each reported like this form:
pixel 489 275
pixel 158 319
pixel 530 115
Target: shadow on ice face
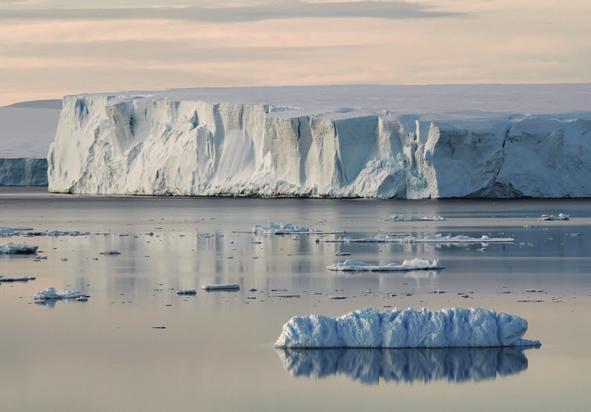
pixel 372 366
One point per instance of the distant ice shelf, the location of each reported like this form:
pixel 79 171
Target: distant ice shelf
pixel 390 142
pixel 409 328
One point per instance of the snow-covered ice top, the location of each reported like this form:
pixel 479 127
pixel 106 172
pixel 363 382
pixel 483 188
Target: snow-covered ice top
pixel 350 265
pixel 409 328
pixel 372 366
pixel 18 249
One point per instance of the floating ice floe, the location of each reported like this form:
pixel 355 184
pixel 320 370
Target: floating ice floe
pixel 409 328
pixel 412 218
pixel 110 253
pixel 29 232
pixel 221 286
pixel 18 249
pixel 437 238
pixel 287 229
pixel 372 366
pixel 5 279
pixel 186 292
pixel 52 294
pixel 350 265
pixel 560 216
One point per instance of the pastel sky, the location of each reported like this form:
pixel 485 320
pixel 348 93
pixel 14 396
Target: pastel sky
pixel 49 48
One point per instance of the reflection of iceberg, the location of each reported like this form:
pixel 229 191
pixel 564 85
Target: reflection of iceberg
pixel 370 366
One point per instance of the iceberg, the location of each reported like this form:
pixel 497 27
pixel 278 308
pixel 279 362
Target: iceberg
pixel 53 294
pixel 395 142
pixel 350 265
pixel 409 328
pixel 18 249
pixel 372 366
pixel 411 218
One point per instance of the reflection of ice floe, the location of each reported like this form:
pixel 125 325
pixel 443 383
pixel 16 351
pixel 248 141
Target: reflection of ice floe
pixel 412 218
pixel 287 229
pixel 221 286
pixel 370 366
pixel 409 328
pixel 29 232
pixel 437 238
pixel 5 279
pixel 52 294
pixel 18 249
pixel 350 265
pixel 560 216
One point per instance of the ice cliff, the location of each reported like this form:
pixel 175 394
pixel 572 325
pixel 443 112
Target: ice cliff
pixel 409 328
pixel 327 142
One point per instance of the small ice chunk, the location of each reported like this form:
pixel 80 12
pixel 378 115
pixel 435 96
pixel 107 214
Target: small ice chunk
pixel 412 218
pixel 16 279
pixel 350 265
pixel 221 286
pixel 110 253
pixel 52 294
pixel 560 216
pixel 368 328
pixel 18 249
pixel 186 292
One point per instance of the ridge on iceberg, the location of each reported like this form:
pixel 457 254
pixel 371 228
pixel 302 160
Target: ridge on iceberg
pixel 351 265
pixel 18 249
pixel 409 328
pixel 372 366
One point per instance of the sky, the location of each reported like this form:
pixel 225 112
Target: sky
pixel 50 48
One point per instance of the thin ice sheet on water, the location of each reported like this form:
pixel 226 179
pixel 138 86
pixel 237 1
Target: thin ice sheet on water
pixel 351 265
pixel 437 238
pixel 413 218
pixel 409 328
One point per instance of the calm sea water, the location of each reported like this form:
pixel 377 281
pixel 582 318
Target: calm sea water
pixel 216 351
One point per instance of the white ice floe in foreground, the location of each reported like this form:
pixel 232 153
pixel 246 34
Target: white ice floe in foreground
pixel 409 328
pixel 437 238
pixel 7 279
pixel 18 249
pixel 221 286
pixel 412 218
pixel 560 216
pixel 53 294
pixel 350 265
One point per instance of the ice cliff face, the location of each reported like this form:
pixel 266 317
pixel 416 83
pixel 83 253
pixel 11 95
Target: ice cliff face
pixel 23 172
pixel 161 145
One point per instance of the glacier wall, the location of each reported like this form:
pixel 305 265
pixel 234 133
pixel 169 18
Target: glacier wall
pixel 23 172
pixel 159 145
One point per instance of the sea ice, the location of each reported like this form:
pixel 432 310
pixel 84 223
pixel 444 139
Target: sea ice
pixel 283 229
pixel 407 265
pixel 18 249
pixel 29 232
pixel 52 294
pixel 221 286
pixel 560 216
pixel 409 328
pixel 411 218
pixel 437 238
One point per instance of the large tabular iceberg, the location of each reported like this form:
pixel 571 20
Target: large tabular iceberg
pixel 328 142
pixel 368 328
